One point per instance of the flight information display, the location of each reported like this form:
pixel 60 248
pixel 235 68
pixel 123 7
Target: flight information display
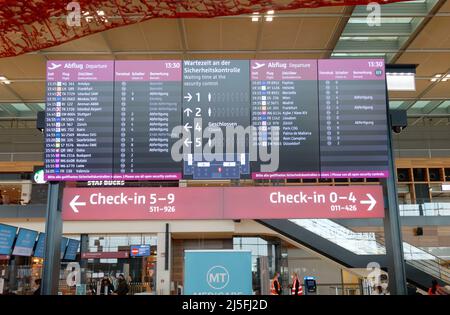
pixel 215 119
pixel 216 99
pixel 285 113
pixel 147 106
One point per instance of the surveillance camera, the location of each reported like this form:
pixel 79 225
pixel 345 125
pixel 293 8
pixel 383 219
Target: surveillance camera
pixel 397 129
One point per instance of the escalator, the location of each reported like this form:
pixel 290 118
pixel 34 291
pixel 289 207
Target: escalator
pixel 357 250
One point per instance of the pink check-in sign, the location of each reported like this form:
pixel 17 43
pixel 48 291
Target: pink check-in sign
pixel 149 203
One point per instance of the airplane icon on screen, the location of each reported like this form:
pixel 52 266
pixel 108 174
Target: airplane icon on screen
pixel 258 65
pixel 54 66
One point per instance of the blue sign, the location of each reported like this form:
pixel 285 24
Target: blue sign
pixel 7 236
pixel 25 242
pixel 72 249
pixel 63 246
pixel 140 250
pixel 39 251
pixel 214 272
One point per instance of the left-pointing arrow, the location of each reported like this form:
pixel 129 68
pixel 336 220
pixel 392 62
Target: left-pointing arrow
pixel 372 202
pixel 74 204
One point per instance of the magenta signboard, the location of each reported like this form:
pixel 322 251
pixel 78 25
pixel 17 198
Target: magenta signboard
pixel 92 204
pixel 141 120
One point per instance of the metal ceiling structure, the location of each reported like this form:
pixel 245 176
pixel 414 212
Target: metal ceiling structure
pixel 412 32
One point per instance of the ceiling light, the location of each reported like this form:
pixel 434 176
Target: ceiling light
pixel 433 80
pixel 255 19
pixel 438 75
pixel 6 82
pixel 3 78
pixel 101 13
pixel 269 19
pixel 271 12
pixel 255 13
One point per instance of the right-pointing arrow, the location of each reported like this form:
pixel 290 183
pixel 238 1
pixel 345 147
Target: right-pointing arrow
pixel 73 204
pixel 372 202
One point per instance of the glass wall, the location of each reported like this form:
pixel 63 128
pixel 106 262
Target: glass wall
pixel 269 255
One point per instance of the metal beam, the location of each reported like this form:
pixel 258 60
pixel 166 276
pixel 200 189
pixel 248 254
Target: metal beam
pixel 183 36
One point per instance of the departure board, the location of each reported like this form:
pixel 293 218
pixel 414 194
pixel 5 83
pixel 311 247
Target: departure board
pixel 352 103
pixel 215 119
pixel 79 116
pixel 147 97
pixel 284 107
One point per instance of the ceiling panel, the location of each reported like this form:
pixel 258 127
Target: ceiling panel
pixel 218 56
pixel 429 63
pixel 79 57
pixel 29 91
pixel 445 7
pixel 439 90
pixel 238 34
pixel 6 95
pixel 29 66
pixel 203 34
pixel 126 38
pixel 161 34
pixel 435 34
pixel 149 56
pixel 95 42
pixel 280 33
pixel 321 10
pixel 289 56
pixel 315 33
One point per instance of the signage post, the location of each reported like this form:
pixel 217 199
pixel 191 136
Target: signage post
pixel 53 232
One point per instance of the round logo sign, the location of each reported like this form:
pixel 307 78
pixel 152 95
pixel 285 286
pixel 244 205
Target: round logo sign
pixel 217 277
pixel 39 177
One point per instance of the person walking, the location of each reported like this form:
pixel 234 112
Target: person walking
pixel 296 288
pixel 106 287
pixel 122 286
pixel 275 287
pixel 37 282
pixel 435 288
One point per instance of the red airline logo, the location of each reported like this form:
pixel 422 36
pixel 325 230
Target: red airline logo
pixel 275 202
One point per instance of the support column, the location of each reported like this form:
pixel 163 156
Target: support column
pixel 163 262
pixel 53 234
pixel 392 226
pixel 84 248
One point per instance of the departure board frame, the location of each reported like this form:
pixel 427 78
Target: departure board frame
pixel 121 120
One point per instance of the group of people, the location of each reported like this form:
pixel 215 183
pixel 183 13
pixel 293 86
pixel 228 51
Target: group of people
pixel 275 285
pixel 107 288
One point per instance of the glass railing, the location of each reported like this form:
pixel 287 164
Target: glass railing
pixel 373 244
pixel 425 209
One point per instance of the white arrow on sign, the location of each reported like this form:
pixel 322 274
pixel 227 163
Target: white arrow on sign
pixel 187 142
pixel 372 202
pixel 187 127
pixel 188 97
pixel 74 204
pixel 188 111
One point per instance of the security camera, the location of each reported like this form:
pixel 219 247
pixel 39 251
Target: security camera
pixel 398 120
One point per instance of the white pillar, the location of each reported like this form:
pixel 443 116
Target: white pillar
pixel 162 275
